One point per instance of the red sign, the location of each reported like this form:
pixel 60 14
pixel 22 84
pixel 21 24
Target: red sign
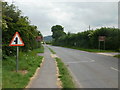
pixel 16 40
pixel 39 38
pixel 101 38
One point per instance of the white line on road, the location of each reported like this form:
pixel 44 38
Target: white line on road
pixel 114 69
pixel 77 62
pixel 81 61
pixel 90 59
pixel 75 78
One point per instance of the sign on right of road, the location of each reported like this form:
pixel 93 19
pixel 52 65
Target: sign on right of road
pixel 101 38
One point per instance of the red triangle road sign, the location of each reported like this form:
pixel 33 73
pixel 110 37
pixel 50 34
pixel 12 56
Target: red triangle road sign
pixel 16 40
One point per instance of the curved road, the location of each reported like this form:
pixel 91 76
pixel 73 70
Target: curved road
pixel 90 70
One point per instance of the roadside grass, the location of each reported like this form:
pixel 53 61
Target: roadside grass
pixel 118 56
pixel 0 68
pixel 40 50
pixel 51 51
pixel 65 77
pixel 90 50
pixel 28 63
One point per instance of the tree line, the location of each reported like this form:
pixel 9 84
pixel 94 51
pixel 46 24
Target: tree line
pixel 87 39
pixel 13 21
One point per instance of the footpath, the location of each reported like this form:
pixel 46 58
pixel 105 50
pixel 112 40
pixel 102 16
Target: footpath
pixel 46 75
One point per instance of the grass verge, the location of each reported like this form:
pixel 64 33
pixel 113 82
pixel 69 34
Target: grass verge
pixel 51 51
pixel 90 50
pixel 40 50
pixel 65 77
pixel 118 56
pixel 28 63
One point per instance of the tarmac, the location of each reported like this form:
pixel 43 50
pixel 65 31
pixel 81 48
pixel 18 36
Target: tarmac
pixel 46 76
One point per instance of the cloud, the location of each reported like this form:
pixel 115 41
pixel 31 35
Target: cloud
pixel 73 16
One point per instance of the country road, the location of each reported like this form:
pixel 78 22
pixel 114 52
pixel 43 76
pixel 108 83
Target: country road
pixel 90 70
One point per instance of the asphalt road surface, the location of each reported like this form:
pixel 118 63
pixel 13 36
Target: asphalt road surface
pixel 90 70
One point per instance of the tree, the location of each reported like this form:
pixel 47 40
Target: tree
pixel 57 31
pixel 89 39
pixel 13 22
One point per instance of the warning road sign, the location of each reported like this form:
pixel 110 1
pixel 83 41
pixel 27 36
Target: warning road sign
pixel 16 40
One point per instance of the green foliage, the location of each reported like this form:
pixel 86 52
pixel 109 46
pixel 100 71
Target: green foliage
pixel 89 39
pixel 40 50
pixel 13 22
pixel 118 56
pixel 90 50
pixel 27 61
pixel 65 77
pixel 112 40
pixel 58 31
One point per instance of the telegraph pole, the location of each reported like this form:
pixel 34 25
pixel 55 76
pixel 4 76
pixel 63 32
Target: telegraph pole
pixel 89 27
pixel 13 2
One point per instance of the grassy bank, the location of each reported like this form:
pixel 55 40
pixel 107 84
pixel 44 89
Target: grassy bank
pixel 89 50
pixel 40 50
pixel 118 56
pixel 28 63
pixel 51 51
pixel 65 77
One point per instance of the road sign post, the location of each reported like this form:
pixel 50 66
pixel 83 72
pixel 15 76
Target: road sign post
pixel 100 39
pixel 16 41
pixel 17 59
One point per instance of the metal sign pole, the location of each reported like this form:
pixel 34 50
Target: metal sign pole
pixel 104 45
pixel 37 44
pixel 17 59
pixel 99 45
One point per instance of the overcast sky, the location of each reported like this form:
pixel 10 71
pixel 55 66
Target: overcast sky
pixel 73 16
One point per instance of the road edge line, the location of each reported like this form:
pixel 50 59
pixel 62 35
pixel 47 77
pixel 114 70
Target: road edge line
pixel 78 85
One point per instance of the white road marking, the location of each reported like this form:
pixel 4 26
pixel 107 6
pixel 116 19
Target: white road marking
pixel 81 61
pixel 77 62
pixel 114 69
pixel 90 60
pixel 75 78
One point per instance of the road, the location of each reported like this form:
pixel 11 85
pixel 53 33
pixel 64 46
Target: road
pixel 90 70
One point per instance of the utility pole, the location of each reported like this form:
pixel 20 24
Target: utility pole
pixel 89 27
pixel 13 2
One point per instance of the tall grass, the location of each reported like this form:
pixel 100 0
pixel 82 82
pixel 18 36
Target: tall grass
pixel 118 56
pixel 27 62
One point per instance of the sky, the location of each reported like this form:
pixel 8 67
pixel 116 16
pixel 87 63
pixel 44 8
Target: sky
pixel 74 15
